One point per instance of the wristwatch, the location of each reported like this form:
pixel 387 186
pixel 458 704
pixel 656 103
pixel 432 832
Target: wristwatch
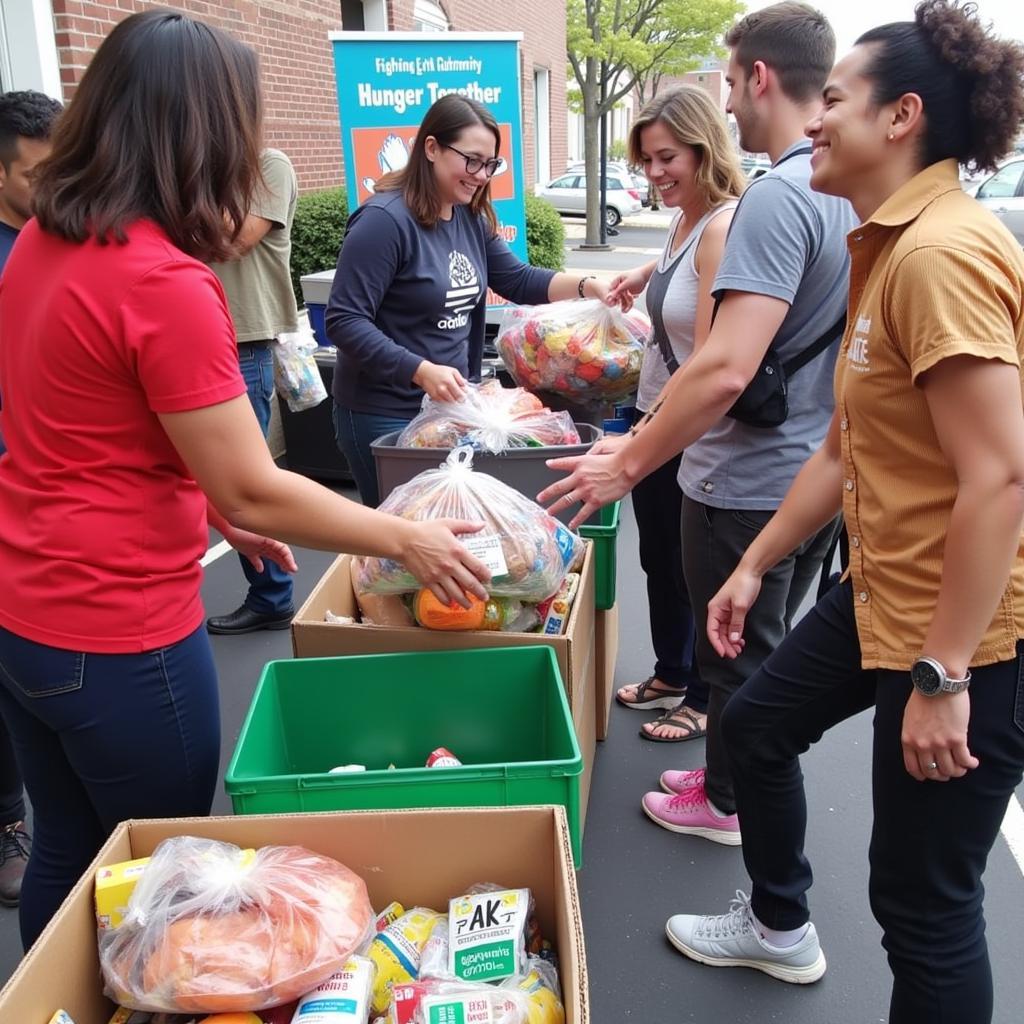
pixel 930 678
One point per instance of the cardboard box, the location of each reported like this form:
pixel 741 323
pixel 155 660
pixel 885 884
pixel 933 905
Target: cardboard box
pixel 607 642
pixel 416 857
pixel 312 637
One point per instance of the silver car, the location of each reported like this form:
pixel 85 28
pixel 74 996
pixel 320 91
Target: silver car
pixel 1003 194
pixel 568 194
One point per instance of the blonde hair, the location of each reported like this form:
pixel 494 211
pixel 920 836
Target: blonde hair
pixel 693 119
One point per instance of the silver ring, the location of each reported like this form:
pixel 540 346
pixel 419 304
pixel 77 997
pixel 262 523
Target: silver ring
pixel 933 766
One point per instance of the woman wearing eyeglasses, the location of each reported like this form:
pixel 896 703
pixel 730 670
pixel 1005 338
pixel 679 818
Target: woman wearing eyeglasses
pixel 408 301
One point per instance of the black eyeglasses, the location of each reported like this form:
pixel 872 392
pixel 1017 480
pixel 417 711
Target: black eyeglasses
pixel 474 163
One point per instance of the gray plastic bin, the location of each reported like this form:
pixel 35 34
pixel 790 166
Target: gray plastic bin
pixel 522 469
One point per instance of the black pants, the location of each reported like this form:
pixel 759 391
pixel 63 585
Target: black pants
pixel 714 540
pixel 930 840
pixel 12 796
pixel 657 501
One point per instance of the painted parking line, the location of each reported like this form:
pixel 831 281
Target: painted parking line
pixel 1013 831
pixel 215 552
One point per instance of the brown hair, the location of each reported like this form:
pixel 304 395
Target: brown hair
pixel 165 124
pixel 794 40
pixel 693 119
pixel 971 84
pixel 446 120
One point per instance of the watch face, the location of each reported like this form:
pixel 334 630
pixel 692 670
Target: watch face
pixel 925 677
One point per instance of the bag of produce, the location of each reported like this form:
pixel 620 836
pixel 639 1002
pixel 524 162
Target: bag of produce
pixel 583 350
pixel 490 418
pixel 527 551
pixel 296 375
pixel 212 928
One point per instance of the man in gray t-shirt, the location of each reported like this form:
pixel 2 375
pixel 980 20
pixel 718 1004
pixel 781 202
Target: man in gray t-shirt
pixel 782 284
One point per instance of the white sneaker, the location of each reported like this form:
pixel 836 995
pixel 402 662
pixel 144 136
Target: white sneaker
pixel 731 940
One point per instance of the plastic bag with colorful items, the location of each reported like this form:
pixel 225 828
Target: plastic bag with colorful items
pixel 527 551
pixel 214 928
pixel 296 375
pixel 583 350
pixel 491 418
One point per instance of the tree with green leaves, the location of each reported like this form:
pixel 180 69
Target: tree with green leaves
pixel 614 44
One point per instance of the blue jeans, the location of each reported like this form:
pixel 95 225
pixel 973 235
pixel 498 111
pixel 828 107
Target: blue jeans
pixel 354 432
pixel 270 591
pixel 102 738
pixel 930 840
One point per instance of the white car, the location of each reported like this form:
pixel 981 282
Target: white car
pixel 568 194
pixel 1003 193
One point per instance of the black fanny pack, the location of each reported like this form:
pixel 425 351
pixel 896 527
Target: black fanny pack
pixel 765 400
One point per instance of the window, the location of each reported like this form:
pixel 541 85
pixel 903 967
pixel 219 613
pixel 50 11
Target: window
pixel 364 15
pixel 1003 184
pixel 429 16
pixel 28 50
pixel 566 181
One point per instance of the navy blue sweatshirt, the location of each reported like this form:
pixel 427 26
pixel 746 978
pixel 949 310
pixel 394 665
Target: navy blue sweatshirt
pixel 403 293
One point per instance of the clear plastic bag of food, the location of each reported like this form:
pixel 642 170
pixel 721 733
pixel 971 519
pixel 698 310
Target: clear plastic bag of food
pixel 296 375
pixel 583 350
pixel 489 418
pixel 435 999
pixel 527 551
pixel 212 928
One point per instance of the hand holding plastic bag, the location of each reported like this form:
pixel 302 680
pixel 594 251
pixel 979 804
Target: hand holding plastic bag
pixel 296 375
pixel 584 350
pixel 491 418
pixel 212 928
pixel 527 551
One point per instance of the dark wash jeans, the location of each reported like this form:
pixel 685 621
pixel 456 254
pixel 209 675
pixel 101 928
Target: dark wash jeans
pixel 270 591
pixel 102 738
pixel 657 501
pixel 930 840
pixel 355 432
pixel 714 540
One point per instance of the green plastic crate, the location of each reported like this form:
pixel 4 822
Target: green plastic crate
pixel 502 712
pixel 605 536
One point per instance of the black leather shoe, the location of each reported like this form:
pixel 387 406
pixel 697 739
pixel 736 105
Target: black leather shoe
pixel 15 845
pixel 245 620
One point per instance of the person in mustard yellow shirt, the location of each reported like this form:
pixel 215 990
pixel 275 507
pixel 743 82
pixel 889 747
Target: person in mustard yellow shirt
pixel 925 457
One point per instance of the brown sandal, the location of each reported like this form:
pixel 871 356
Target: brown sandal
pixel 679 717
pixel 649 696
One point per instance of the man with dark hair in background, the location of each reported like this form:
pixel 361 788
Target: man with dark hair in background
pixel 26 119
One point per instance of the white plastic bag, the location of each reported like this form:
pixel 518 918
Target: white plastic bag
pixel 491 418
pixel 583 350
pixel 296 375
pixel 527 551
pixel 212 928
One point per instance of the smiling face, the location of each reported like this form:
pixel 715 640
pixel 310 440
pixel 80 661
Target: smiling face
pixel 671 166
pixel 850 133
pixel 455 185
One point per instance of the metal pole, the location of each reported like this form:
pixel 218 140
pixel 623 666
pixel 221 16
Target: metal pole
pixel 603 152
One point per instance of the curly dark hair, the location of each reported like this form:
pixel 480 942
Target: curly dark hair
pixel 971 83
pixel 25 115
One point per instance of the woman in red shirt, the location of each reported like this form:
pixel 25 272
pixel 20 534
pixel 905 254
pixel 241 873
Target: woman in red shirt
pixel 125 413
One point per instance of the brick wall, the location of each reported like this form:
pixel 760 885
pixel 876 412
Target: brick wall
pixel 298 71
pixel 291 38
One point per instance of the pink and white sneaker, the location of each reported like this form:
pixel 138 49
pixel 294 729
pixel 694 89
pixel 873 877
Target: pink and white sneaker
pixel 680 782
pixel 689 813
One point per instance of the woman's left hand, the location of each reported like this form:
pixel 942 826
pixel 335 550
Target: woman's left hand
pixel 256 548
pixel 935 733
pixel 593 480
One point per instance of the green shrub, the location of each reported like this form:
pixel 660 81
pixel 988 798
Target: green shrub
pixel 545 235
pixel 319 227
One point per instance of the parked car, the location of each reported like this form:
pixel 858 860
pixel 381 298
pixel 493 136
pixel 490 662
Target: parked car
pixel 619 169
pixel 1003 193
pixel 754 166
pixel 568 194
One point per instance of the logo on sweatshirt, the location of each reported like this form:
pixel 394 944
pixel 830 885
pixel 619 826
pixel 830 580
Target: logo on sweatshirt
pixel 463 291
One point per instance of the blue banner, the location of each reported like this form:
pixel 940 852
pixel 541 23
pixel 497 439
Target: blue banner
pixel 388 80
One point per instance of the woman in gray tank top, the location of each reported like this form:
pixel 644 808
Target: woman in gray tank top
pixel 681 141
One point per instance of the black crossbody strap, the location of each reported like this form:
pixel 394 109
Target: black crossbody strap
pixel 790 366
